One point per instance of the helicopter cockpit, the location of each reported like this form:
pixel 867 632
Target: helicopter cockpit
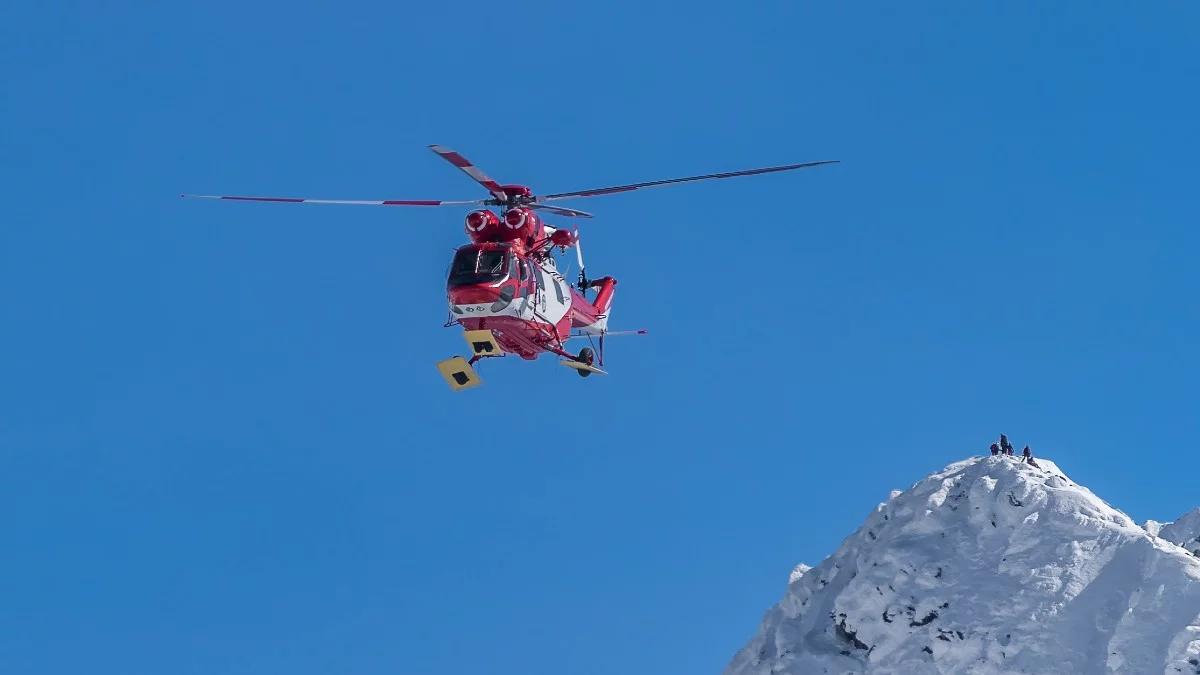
pixel 476 264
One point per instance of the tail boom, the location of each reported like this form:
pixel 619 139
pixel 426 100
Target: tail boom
pixel 591 316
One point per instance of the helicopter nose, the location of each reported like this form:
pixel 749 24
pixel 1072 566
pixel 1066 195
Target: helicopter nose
pixel 473 294
pixel 479 294
pixel 481 298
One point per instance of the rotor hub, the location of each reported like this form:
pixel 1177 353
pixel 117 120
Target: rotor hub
pixel 515 195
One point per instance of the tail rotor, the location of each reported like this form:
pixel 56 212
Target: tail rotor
pixel 583 280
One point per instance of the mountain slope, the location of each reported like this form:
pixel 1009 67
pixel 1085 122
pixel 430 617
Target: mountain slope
pixel 1184 532
pixel 990 566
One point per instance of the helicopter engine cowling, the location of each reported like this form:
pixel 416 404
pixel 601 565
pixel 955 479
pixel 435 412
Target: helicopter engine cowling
pixel 483 226
pixel 563 238
pixel 521 223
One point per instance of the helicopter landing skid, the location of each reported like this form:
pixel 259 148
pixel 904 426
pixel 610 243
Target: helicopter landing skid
pixel 583 368
pixel 582 363
pixel 458 373
pixel 483 344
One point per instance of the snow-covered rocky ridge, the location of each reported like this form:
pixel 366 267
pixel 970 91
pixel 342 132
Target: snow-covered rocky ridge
pixel 1185 532
pixel 991 566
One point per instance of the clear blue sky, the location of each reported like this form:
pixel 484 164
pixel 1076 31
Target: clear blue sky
pixel 225 448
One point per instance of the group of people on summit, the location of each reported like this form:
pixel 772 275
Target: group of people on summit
pixel 1003 447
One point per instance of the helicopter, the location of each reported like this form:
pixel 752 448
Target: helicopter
pixel 504 288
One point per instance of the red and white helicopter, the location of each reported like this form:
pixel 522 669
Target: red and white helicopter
pixel 504 287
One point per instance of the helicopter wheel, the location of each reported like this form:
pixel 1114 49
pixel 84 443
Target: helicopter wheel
pixel 586 355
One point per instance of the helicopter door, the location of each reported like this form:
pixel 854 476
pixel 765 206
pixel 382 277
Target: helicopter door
pixel 527 289
pixel 539 299
pixel 552 302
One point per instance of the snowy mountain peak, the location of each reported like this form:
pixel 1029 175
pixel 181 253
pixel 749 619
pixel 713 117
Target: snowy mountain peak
pixel 1184 532
pixel 991 565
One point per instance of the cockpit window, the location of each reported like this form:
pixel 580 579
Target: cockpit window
pixel 478 266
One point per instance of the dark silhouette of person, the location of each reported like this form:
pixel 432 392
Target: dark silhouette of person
pixel 1005 445
pixel 995 449
pixel 1027 454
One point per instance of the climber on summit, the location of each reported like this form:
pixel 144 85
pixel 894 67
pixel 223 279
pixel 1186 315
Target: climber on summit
pixel 995 449
pixel 1027 454
pixel 1005 446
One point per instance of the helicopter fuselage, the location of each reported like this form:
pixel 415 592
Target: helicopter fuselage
pixel 510 285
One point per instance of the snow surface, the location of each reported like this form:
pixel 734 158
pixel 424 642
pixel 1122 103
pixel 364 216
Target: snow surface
pixel 991 566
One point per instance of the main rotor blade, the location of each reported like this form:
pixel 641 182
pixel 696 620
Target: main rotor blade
pixel 596 192
pixel 471 170
pixel 357 202
pixel 570 213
